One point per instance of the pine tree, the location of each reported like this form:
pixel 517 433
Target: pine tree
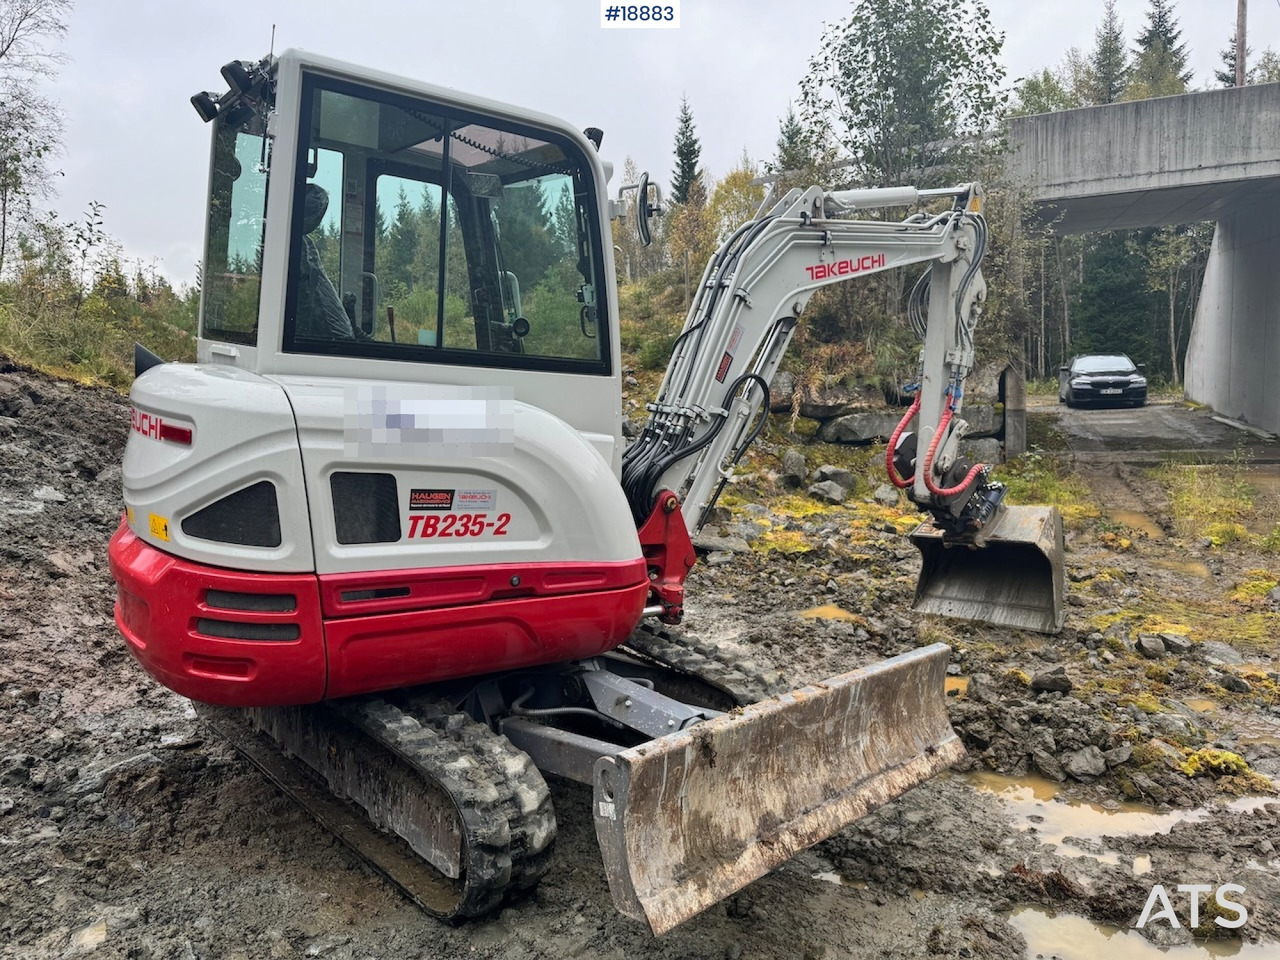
pixel 794 153
pixel 1108 62
pixel 688 153
pixel 1162 32
pixel 1227 75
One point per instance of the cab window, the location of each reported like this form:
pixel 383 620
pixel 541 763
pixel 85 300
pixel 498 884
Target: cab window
pixel 429 235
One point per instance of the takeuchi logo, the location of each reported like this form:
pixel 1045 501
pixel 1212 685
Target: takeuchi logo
pixel 824 271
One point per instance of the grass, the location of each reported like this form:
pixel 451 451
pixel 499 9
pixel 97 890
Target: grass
pixel 1208 500
pixel 1036 479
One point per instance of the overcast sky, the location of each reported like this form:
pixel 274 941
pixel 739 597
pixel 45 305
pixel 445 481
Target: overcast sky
pixel 134 143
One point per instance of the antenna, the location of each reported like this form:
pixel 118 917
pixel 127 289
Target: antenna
pixel 272 51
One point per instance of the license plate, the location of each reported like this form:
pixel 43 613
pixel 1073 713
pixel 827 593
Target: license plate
pixel 1108 391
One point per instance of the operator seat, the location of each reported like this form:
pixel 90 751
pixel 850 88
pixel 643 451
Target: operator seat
pixel 320 314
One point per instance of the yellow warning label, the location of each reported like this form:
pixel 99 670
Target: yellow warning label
pixel 128 514
pixel 160 527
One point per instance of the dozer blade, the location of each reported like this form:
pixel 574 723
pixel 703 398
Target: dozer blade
pixel 1012 577
pixel 687 819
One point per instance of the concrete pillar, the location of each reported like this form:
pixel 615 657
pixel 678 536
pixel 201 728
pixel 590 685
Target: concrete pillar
pixel 1234 352
pixel 1015 414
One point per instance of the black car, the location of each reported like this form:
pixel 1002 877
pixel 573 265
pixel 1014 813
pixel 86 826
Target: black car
pixel 1101 378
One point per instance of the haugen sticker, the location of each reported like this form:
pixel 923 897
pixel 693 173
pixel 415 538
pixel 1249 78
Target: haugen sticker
pixel 431 499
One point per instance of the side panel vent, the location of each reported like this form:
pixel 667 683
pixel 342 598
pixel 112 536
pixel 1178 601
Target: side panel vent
pixel 254 602
pixel 250 517
pixel 366 507
pixel 231 630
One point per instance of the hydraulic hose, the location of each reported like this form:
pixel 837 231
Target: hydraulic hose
pixel 928 462
pixel 900 482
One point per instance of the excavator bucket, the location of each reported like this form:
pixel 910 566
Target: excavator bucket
pixel 1012 576
pixel 687 819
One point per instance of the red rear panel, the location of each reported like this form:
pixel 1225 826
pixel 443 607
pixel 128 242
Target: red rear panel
pixel 244 639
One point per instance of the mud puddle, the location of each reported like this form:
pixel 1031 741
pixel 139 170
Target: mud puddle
pixel 1138 522
pixel 1189 568
pixel 1076 828
pixel 829 611
pixel 1200 704
pixel 1068 937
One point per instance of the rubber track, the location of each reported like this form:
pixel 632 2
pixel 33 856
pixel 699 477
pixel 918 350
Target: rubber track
pixel 742 680
pixel 527 807
pixel 479 798
pixel 482 796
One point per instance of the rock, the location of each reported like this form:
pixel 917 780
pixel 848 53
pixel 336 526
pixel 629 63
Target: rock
pixel 840 475
pixel 1148 787
pixel 1265 847
pixel 1075 600
pixel 983 450
pixel 89 937
pixel 1084 764
pixel 1118 755
pixel 781 390
pixel 862 427
pixel 630 430
pixel 793 468
pixel 981 418
pixel 1048 765
pixel 1229 681
pixel 1178 643
pixel 50 495
pixel 1168 752
pixel 748 530
pixel 719 558
pixel 1172 725
pixel 829 492
pixel 1219 653
pixel 1055 679
pixel 886 494
pixel 722 544
pixel 1150 646
pixel 1274 595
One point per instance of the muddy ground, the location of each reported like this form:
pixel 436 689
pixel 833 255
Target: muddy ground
pixel 127 831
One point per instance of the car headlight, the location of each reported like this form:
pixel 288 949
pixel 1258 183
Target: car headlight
pixel 1080 382
pixel 1136 381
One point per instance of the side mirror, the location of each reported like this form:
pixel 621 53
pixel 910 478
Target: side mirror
pixel 645 209
pixel 1065 368
pixel 1142 366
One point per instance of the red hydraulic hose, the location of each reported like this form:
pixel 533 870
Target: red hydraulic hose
pixel 896 480
pixel 928 462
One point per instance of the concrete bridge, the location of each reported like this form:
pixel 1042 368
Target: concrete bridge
pixel 1202 156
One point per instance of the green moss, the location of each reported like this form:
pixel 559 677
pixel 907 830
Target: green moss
pixel 1224 532
pixel 1020 677
pixel 1147 703
pixel 789 542
pixel 1207 762
pixel 1255 587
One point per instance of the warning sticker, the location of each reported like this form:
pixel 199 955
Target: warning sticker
pixel 159 526
pixel 431 499
pixel 723 369
pixel 474 500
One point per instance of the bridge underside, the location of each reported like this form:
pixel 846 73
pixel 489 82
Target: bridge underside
pixel 1159 207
